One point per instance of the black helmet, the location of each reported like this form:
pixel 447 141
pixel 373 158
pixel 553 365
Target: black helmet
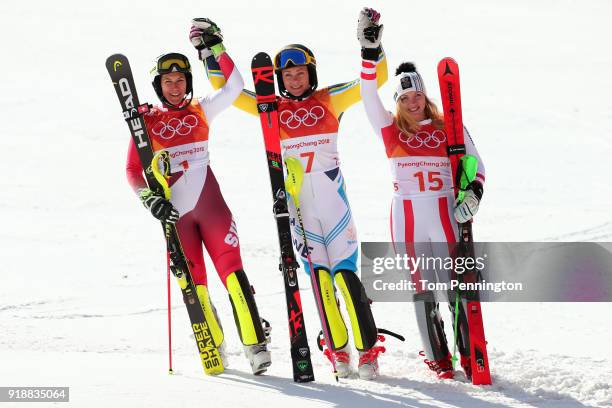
pixel 172 62
pixel 295 55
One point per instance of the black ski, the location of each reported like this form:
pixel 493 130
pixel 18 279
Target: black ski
pixel 120 72
pixel 263 77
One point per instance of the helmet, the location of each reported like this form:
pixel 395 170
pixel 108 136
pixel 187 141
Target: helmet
pixel 171 62
pixel 295 55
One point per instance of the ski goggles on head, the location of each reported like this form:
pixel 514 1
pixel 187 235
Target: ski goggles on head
pixel 173 62
pixel 293 57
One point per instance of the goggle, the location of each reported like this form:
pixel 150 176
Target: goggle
pixel 173 62
pixel 295 56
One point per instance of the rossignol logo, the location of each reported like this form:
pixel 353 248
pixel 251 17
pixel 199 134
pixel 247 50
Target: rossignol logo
pixel 302 365
pixel 303 351
pixel 231 238
pixel 302 116
pixel 136 123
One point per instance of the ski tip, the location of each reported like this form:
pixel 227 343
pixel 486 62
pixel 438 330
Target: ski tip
pixel 262 56
pixel 117 56
pixel 447 66
pixel 115 62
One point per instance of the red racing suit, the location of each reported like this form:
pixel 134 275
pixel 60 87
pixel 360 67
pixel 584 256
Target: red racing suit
pixel 204 215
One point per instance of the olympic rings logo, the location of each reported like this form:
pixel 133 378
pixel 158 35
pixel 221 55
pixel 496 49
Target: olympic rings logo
pixel 420 139
pixel 175 126
pixel 302 116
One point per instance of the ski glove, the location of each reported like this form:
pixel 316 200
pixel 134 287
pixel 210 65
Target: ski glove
pixel 465 210
pixel 206 37
pixel 161 208
pixel 369 33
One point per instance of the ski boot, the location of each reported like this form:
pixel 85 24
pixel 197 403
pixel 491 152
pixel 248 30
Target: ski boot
pixel 258 355
pixel 466 364
pixel 340 358
pixel 443 367
pixel 368 361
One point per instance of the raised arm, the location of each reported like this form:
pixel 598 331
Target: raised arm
pixel 206 37
pixel 346 94
pixel 223 97
pixel 378 116
pixel 246 100
pixel 369 34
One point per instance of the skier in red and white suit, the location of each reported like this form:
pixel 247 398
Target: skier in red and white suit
pixel 422 209
pixel 180 126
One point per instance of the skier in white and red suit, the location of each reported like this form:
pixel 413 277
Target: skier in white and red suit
pixel 181 127
pixel 309 120
pixel 423 208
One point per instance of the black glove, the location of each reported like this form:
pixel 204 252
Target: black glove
pixel 161 208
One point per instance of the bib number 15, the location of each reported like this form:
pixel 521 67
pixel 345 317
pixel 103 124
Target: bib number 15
pixel 433 183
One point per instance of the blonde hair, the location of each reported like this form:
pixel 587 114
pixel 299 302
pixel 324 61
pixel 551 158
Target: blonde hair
pixel 408 126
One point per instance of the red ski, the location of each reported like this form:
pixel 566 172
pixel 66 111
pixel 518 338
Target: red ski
pixel 448 76
pixel 263 77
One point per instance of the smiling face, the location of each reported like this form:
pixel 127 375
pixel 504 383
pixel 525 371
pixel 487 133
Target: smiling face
pixel 413 103
pixel 174 87
pixel 296 80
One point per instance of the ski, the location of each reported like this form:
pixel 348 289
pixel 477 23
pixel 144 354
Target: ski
pixel 263 77
pixel 448 76
pixel 120 72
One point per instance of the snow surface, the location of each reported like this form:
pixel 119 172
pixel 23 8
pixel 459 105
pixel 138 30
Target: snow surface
pixel 82 287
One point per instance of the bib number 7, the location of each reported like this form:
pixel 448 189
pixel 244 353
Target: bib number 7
pixel 310 156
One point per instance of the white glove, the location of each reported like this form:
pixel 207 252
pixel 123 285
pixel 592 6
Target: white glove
pixel 369 32
pixel 468 207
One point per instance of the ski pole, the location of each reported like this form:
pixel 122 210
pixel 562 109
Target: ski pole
pixel 169 317
pixel 295 176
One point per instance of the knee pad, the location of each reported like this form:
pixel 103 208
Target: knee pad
pixel 244 307
pixel 331 311
pixel 431 326
pixel 210 314
pixel 358 307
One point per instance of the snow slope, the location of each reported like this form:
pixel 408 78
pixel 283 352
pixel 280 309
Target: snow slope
pixel 82 282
